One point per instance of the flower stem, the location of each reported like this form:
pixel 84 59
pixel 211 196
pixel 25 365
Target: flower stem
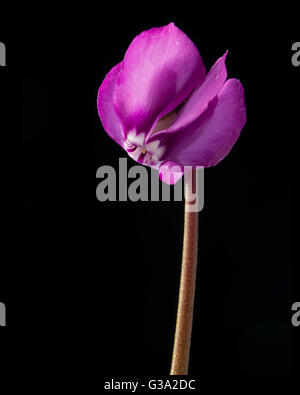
pixel 182 341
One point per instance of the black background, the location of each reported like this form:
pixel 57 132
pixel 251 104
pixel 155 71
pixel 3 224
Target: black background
pixel 94 292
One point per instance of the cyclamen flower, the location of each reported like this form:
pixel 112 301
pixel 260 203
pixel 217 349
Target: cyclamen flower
pixel 164 110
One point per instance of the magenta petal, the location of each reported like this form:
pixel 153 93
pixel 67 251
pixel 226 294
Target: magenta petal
pixel 160 69
pixel 106 111
pixel 170 172
pixel 200 98
pixel 214 133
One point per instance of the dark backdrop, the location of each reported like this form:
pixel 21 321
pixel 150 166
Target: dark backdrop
pixel 98 294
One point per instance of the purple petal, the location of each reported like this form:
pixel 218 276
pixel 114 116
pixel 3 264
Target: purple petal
pixel 206 141
pixel 200 98
pixel 106 111
pixel 160 69
pixel 170 172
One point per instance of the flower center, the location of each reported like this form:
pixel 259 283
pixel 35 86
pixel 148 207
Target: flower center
pixel 146 154
pixel 149 154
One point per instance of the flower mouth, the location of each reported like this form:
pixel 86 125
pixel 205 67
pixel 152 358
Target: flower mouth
pixel 145 154
pixel 150 153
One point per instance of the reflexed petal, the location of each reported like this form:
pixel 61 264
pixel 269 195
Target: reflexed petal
pixel 106 111
pixel 160 69
pixel 198 102
pixel 170 172
pixel 209 139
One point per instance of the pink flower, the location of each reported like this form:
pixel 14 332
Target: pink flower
pixel 164 110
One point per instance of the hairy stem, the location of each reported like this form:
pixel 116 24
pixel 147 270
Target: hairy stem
pixel 182 341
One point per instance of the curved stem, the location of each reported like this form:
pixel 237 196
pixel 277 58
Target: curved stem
pixel 182 341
